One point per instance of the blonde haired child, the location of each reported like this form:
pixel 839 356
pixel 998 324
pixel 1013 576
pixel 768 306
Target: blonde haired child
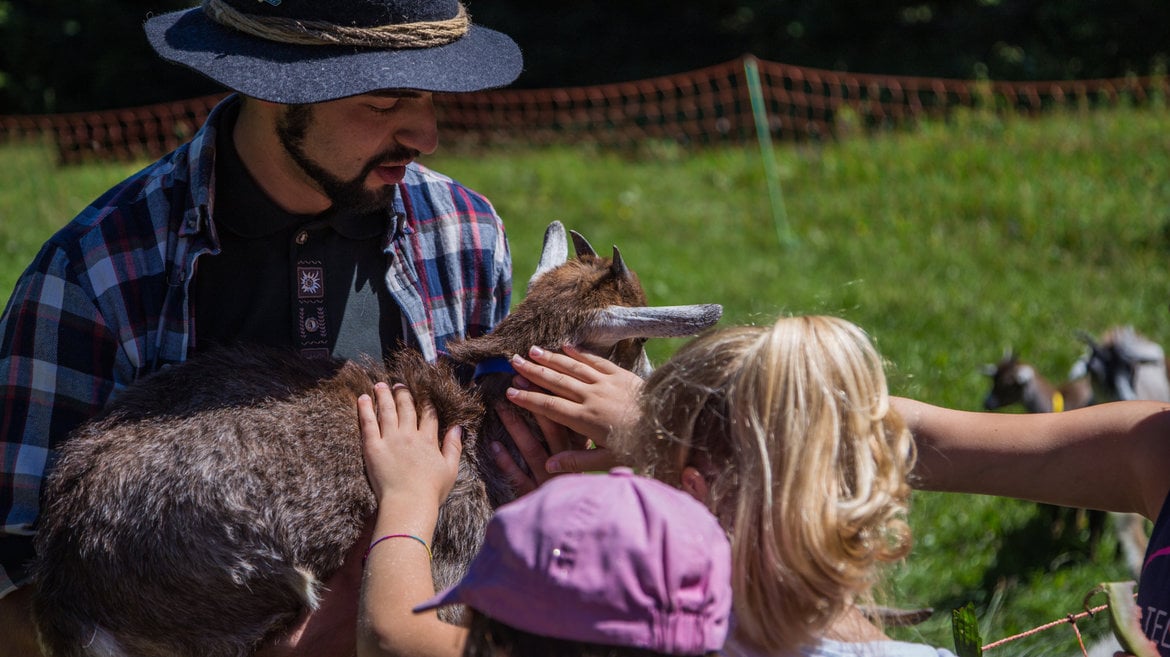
pixel 786 433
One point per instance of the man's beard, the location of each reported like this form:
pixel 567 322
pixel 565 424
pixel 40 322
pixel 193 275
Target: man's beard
pixel 346 195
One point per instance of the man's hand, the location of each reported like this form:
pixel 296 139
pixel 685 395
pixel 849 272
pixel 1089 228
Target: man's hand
pixel 16 625
pixel 537 456
pixel 531 449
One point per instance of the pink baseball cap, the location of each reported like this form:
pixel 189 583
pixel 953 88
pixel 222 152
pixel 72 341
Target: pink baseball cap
pixel 612 559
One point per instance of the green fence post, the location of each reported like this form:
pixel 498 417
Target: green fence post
pixel 764 134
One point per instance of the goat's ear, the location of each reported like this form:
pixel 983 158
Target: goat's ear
pixel 554 253
pixel 1087 338
pixel 619 268
pixel 617 323
pixel 990 370
pixel 1079 369
pixel 582 245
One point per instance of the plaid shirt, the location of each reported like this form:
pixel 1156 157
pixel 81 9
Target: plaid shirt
pixel 106 301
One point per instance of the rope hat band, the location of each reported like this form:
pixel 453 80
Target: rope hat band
pixel 312 51
pixel 421 34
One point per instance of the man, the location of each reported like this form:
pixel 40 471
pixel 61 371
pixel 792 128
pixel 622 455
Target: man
pixel 295 217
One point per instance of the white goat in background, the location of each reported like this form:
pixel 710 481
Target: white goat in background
pixel 1124 365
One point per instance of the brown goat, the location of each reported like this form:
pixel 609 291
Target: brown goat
pixel 199 515
pixel 1016 382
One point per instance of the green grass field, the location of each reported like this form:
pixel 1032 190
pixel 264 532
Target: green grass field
pixel 949 244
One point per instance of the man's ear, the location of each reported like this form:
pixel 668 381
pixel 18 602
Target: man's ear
pixel 694 483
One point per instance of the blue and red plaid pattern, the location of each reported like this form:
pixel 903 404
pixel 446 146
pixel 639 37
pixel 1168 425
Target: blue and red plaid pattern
pixel 106 302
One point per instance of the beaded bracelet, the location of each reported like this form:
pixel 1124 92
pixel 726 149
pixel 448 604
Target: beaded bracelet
pixel 424 544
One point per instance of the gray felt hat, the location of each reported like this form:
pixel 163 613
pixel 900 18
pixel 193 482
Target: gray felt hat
pixel 309 51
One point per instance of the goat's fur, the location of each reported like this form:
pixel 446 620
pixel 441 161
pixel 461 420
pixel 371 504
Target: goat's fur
pixel 593 302
pixel 199 515
pixel 1016 382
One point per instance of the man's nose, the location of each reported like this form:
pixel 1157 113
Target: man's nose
pixel 419 129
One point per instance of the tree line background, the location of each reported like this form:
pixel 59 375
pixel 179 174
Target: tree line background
pixel 75 55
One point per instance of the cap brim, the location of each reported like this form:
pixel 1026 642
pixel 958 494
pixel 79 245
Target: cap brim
pixel 295 74
pixel 443 599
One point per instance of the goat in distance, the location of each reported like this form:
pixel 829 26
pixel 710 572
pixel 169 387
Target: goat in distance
pixel 1016 382
pixel 1124 365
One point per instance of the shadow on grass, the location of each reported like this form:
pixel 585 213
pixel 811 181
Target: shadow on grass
pixel 1053 538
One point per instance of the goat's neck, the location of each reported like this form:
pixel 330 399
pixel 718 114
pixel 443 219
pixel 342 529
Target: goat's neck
pixel 1038 396
pixel 492 388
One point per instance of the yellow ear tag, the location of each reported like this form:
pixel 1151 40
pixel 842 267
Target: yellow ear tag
pixel 1057 402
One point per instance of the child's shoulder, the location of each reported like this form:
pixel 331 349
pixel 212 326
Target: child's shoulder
pixel 830 648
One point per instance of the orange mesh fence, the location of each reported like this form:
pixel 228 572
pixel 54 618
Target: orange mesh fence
pixel 705 107
pixel 700 107
pixel 138 132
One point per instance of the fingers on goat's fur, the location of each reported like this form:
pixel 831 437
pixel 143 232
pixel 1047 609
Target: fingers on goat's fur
pixel 436 385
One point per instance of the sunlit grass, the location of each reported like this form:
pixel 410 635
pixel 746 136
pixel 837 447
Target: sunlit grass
pixel 948 244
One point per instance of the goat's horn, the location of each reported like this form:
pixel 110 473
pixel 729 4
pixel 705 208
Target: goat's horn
pixel 621 322
pixel 1087 338
pixel 619 268
pixel 555 250
pixel 582 245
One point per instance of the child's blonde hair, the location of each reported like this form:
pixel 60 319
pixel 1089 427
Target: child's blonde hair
pixel 792 429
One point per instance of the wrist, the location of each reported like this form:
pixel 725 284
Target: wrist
pixel 425 543
pixel 411 517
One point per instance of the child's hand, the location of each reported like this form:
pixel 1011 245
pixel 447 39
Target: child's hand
pixel 401 447
pixel 411 476
pixel 590 396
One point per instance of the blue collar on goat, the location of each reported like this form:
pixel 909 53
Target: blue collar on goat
pixel 493 365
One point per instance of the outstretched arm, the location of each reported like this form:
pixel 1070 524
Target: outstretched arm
pixel 588 394
pixel 411 478
pixel 1114 456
